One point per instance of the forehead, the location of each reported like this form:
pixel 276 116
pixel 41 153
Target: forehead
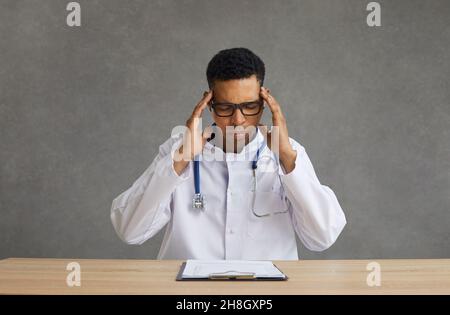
pixel 237 91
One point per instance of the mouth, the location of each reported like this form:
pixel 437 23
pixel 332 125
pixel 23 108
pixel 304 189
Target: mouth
pixel 239 132
pixel 239 135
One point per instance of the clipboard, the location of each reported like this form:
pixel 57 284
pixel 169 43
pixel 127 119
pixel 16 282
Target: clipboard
pixel 226 277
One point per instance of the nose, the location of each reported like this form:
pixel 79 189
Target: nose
pixel 238 118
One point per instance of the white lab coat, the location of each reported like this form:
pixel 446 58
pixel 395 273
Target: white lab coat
pixel 228 228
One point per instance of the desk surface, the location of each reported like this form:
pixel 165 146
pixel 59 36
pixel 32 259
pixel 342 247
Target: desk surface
pixel 48 276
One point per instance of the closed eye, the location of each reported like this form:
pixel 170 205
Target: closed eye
pixel 251 105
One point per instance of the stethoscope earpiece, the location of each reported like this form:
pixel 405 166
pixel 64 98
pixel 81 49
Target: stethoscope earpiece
pixel 213 136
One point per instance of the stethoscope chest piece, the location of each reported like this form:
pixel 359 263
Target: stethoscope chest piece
pixel 199 201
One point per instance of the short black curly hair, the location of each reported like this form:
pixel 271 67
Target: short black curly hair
pixel 235 63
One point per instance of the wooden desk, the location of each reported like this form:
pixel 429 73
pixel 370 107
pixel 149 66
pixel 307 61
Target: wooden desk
pixel 48 276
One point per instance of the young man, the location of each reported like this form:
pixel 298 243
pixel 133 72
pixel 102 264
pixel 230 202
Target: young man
pixel 258 191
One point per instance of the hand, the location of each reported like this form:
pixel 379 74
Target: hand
pixel 279 138
pixel 194 139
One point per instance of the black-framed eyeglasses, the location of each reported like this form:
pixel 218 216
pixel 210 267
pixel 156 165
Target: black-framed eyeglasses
pixel 247 108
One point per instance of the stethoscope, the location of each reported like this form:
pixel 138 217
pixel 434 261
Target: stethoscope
pixel 199 200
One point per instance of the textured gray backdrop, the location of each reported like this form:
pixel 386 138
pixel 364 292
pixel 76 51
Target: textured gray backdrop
pixel 83 111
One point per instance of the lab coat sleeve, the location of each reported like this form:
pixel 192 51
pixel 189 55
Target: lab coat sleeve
pixel 142 210
pixel 316 214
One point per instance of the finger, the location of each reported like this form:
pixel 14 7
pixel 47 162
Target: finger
pixel 198 110
pixel 270 100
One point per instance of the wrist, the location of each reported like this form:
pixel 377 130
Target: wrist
pixel 180 161
pixel 180 166
pixel 287 159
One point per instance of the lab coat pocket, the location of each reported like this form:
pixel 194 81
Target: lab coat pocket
pixel 268 217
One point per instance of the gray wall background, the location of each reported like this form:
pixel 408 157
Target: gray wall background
pixel 83 111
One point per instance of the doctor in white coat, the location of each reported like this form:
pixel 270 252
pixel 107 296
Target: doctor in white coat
pixel 259 191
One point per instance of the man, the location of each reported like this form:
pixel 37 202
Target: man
pixel 259 190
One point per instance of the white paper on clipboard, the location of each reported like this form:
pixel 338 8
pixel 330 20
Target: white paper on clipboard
pixel 198 269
